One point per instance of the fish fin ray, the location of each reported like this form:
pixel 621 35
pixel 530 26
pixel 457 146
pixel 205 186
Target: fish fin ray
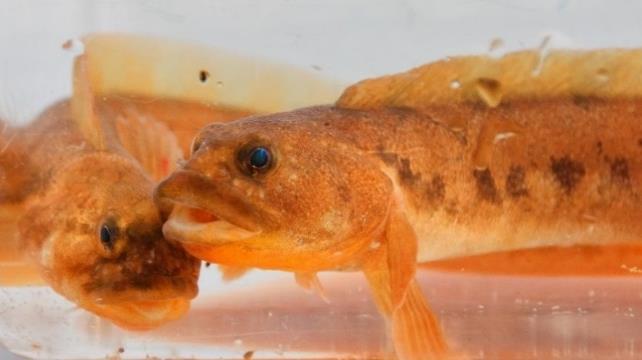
pixel 311 282
pixel 20 273
pixel 390 272
pixel 231 273
pixel 522 75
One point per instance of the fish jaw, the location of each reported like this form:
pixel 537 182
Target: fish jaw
pixel 141 315
pixel 187 225
pixel 196 191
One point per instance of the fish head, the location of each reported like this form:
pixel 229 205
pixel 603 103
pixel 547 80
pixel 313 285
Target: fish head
pixel 281 191
pixel 96 234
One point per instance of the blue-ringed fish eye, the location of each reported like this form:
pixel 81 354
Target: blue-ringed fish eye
pixel 255 159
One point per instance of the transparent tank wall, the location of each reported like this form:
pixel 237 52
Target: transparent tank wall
pixel 265 314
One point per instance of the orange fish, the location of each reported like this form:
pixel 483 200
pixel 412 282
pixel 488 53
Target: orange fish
pixel 77 182
pixel 457 158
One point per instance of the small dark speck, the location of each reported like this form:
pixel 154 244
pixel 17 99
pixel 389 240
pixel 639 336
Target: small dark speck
pixel 121 350
pixel 203 75
pixel 207 264
pixel 317 67
pixel 248 355
pixel 600 148
pixel 640 142
pixel 326 123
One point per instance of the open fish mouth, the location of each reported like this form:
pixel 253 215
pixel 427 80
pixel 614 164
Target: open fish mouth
pixel 194 225
pixel 204 211
pixel 142 314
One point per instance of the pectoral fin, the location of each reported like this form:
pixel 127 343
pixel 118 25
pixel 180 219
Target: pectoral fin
pixel 231 273
pixel 390 272
pixel 19 273
pixel 310 281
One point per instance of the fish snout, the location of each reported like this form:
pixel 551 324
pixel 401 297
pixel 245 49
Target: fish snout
pixel 180 187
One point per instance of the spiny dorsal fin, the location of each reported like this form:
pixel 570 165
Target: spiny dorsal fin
pixel 520 75
pixel 142 136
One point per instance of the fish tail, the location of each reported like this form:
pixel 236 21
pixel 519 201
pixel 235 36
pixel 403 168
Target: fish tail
pixel 415 330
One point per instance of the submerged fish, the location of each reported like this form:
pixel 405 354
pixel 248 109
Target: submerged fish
pixel 78 181
pixel 88 220
pixel 524 152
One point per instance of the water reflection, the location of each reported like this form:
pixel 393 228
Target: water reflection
pixel 483 316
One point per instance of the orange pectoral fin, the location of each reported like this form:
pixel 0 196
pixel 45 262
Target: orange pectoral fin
pixel 20 274
pixel 390 272
pixel 310 282
pixel 231 273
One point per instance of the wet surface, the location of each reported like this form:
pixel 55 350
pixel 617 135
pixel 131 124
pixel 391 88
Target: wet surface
pixel 483 316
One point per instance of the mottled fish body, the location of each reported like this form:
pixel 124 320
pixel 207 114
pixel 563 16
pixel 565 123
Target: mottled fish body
pixel 525 151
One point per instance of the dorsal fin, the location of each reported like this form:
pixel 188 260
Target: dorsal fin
pixel 516 76
pixel 156 68
pixel 115 66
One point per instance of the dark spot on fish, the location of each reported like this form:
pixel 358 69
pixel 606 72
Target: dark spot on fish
pixel 600 148
pixel 389 158
pixel 567 172
pixel 326 124
pixel 203 75
pixel 451 208
pixel 581 101
pixel 436 189
pixel 486 186
pixel 344 193
pixel 144 260
pixel 515 186
pixel 406 176
pixel 620 172
pixel 640 142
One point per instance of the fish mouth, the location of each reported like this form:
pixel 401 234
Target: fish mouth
pixel 193 225
pixel 205 212
pixel 141 314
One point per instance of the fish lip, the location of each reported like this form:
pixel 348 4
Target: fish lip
pixel 180 227
pixel 141 314
pixel 185 188
pixel 188 291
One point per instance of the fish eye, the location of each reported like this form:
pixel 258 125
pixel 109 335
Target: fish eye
pixel 259 158
pixel 108 233
pixel 256 159
pixel 196 144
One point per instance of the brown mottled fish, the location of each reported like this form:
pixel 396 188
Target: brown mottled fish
pixel 456 158
pixel 77 182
